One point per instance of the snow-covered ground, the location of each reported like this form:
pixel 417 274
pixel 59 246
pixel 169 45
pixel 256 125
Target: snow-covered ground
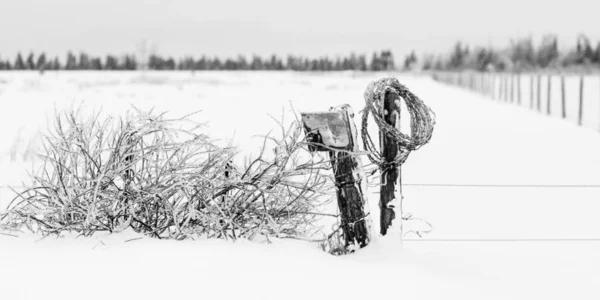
pixel 477 141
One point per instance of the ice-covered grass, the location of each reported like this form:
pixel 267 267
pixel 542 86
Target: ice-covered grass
pixel 476 141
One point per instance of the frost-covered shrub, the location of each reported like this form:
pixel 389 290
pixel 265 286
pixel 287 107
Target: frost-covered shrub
pixel 165 178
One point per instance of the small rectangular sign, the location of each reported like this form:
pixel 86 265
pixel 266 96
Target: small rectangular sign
pixel 327 128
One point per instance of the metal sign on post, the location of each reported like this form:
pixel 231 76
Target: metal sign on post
pixel 327 130
pixel 334 131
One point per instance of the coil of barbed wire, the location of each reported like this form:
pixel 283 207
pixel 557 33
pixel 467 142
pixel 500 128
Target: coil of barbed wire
pixel 422 122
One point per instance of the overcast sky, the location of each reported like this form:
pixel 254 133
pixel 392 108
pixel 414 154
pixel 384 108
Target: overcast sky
pixel 310 27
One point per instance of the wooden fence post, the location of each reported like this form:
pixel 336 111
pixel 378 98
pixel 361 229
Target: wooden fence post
pixel 531 87
pixel 490 85
pixel 580 119
pixel 486 84
pixel 539 93
pixel 519 89
pixel 563 97
pixel 548 111
pixel 512 88
pixel 331 131
pixel 493 86
pixel 506 89
pixel 389 177
pixel 500 87
pixel 482 83
pixel 472 80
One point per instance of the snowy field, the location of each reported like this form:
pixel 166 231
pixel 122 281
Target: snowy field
pixel 487 243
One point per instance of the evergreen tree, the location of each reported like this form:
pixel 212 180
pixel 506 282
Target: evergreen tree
pixel 41 62
pixel 130 63
pixel 187 63
pixel 457 58
pixel 111 63
pixel 522 54
pixel 201 64
pixel 170 64
pixel 375 63
pixel 597 54
pixel 362 62
pixel 30 64
pixel 71 62
pixel 242 63
pixel 56 65
pixel 410 61
pixel 19 64
pixel 230 64
pixel 585 54
pixel 428 62
pixel 256 63
pixel 84 62
pixel 548 51
pixel 482 59
pixel 96 63
pixel 387 60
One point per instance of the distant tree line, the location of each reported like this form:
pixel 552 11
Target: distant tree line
pixel 379 61
pixel 519 55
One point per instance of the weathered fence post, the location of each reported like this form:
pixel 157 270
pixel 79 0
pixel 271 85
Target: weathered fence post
pixel 580 119
pixel 383 100
pixel 389 148
pixel 335 132
pixel 563 97
pixel 549 102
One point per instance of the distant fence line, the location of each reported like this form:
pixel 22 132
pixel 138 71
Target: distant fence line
pixel 508 87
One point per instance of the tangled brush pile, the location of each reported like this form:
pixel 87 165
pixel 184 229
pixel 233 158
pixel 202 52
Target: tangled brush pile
pixel 163 178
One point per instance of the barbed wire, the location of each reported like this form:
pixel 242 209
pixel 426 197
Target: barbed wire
pixel 422 122
pixel 560 240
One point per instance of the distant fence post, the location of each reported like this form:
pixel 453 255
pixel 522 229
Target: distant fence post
pixel 500 87
pixel 506 88
pixel 563 97
pixel 531 87
pixel 512 87
pixel 580 119
pixel 491 85
pixel 539 93
pixel 482 83
pixel 519 89
pixel 548 110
